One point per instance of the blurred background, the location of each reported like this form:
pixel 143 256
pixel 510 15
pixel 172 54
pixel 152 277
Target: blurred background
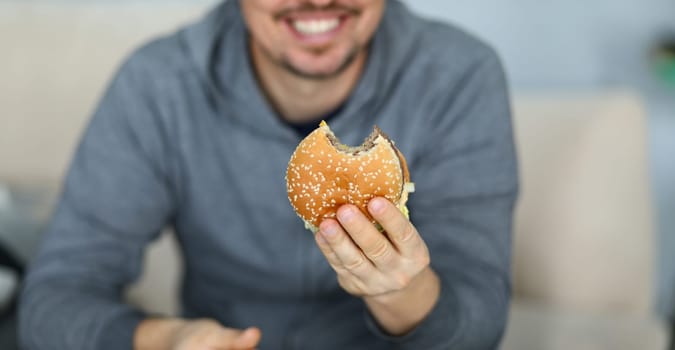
pixel 593 87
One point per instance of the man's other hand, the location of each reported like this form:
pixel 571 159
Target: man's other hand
pixel 176 334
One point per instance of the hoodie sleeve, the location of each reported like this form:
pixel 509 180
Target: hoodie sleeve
pixel 116 199
pixel 466 187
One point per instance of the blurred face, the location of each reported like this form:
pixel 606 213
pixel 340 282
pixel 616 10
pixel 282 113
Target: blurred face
pixel 311 38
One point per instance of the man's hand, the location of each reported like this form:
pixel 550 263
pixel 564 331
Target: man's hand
pixel 390 270
pixel 176 334
pixel 368 262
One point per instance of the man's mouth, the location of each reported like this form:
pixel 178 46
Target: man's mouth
pixel 317 30
pixel 315 26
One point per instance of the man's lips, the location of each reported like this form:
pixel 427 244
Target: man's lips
pixel 316 27
pixel 316 30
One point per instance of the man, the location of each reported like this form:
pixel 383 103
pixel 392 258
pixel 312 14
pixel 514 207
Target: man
pixel 195 132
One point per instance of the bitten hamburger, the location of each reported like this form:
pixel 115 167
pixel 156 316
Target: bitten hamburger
pixel 324 174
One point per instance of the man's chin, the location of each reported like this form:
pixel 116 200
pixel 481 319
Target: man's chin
pixel 320 73
pixel 305 73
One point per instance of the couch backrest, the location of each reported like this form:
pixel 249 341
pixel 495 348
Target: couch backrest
pixel 57 57
pixel 584 235
pixel 583 229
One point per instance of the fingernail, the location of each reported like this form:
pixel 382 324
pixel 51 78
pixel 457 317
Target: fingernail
pixel 346 214
pixel 376 205
pixel 329 230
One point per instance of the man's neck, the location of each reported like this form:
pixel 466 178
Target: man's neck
pixel 299 99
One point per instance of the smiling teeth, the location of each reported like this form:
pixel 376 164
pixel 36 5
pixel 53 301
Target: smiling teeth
pixel 316 26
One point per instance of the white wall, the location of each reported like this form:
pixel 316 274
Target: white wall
pixel 562 43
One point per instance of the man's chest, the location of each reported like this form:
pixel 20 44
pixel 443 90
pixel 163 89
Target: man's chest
pixel 235 221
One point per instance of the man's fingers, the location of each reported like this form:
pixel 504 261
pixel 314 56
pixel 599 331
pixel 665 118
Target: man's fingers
pixel 402 233
pixel 373 243
pixel 235 339
pixel 328 252
pixel 350 256
pixel 247 339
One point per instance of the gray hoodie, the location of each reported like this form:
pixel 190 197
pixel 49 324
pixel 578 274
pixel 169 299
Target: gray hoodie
pixel 184 137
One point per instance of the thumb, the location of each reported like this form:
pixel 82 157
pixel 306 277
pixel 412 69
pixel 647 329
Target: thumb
pixel 247 339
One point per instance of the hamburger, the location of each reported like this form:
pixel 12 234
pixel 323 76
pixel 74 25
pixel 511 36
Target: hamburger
pixel 324 174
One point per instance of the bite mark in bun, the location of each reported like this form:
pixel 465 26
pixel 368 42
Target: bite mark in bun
pixel 324 174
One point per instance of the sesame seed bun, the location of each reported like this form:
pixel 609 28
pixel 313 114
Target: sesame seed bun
pixel 324 174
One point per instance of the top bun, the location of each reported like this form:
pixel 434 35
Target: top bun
pixel 324 174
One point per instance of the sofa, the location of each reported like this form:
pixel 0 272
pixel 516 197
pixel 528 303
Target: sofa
pixel 584 253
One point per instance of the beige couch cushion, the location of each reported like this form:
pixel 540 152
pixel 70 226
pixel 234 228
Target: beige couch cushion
pixel 543 327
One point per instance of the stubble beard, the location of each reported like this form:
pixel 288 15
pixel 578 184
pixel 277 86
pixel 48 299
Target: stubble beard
pixel 346 63
pixel 285 63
